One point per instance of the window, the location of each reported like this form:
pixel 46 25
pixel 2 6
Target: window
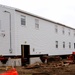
pixel 69 32
pixel 37 23
pixel 23 20
pixel 74 45
pixel 63 44
pixel 56 29
pixel 63 30
pixel 0 24
pixel 56 44
pixel 69 44
pixel 74 32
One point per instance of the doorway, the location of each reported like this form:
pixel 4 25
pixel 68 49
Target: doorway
pixel 25 51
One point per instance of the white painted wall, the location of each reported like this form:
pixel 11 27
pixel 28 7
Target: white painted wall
pixel 42 39
pixel 5 29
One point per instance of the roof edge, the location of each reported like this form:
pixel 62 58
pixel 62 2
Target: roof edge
pixel 24 12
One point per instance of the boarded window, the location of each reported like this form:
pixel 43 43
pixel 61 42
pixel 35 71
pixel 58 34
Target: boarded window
pixel 37 23
pixel 23 20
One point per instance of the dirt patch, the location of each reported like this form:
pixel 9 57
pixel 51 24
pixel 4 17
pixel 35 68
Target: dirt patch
pixel 52 68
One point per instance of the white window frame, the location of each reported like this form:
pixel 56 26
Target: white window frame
pixel 69 44
pixel 63 31
pixel 69 32
pixel 74 32
pixel 63 44
pixel 74 45
pixel 56 44
pixel 56 28
pixel 23 20
pixel 0 24
pixel 37 23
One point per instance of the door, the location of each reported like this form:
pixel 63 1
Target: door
pixel 25 51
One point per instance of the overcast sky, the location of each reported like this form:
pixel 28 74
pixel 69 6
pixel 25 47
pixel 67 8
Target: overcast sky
pixel 62 11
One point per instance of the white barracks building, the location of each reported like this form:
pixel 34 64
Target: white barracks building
pixel 25 37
